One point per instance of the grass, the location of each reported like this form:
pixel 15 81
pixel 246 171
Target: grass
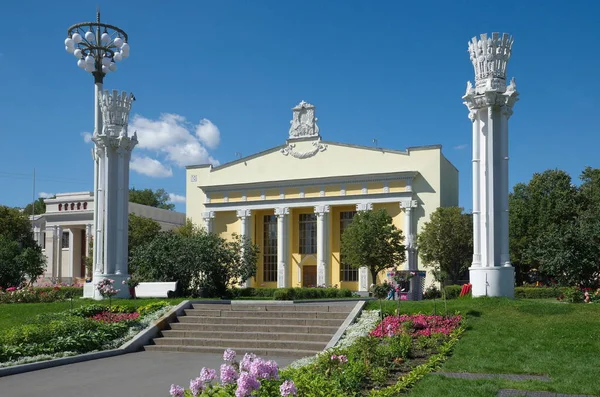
pixel 540 337
pixel 12 314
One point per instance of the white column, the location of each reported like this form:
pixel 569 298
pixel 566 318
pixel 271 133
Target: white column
pixel 99 213
pixel 71 255
pixel 282 244
pixel 51 251
pixel 323 257
pixel 59 232
pixel 504 186
pixel 409 233
pixel 208 218
pixel 244 216
pixel 88 240
pixel 36 235
pixel 364 276
pixel 476 190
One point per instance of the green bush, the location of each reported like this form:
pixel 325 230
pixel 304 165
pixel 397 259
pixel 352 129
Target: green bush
pixel 452 291
pixel 432 292
pixel 40 294
pixel 538 292
pixel 253 292
pixel 312 293
pixel 284 294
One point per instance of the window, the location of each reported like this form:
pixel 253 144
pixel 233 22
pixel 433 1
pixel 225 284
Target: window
pixel 270 248
pixel 65 240
pixel 308 234
pixel 347 273
pixel 43 240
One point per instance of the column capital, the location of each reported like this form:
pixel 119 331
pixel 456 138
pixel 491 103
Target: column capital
pixel 321 209
pixel 364 207
pixel 208 215
pixel 242 214
pixel 409 204
pixel 281 211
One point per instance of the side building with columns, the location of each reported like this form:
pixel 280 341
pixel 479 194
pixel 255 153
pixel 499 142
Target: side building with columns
pixel 64 232
pixel 295 200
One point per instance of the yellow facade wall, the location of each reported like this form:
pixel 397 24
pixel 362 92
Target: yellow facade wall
pixel 353 189
pixel 272 194
pixel 312 191
pixel 397 186
pixel 332 190
pixel 253 195
pixel 292 193
pixel 374 187
pixel 226 223
pixel 234 197
pixel 335 244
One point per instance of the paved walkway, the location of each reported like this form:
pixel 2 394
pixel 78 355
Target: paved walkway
pixel 143 374
pixel 525 393
pixel 517 378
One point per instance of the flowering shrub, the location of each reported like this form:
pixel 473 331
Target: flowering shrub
pixel 108 317
pixel 106 288
pixel 39 294
pixel 417 325
pixel 251 376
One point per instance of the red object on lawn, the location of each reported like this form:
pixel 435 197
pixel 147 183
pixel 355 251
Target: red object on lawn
pixel 466 289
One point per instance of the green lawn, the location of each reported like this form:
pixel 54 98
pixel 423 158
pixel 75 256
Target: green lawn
pixel 518 337
pixel 20 313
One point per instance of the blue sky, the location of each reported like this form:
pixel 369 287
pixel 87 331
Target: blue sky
pixel 215 78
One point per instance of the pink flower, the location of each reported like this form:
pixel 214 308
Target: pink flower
pixel 176 391
pixel 288 388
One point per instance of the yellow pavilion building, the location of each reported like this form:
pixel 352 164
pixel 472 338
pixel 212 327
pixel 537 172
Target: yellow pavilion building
pixel 295 200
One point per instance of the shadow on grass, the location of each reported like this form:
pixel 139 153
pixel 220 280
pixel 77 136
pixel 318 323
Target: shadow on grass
pixel 545 310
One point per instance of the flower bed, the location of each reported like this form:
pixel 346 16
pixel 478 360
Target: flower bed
pixel 251 376
pixel 83 330
pixel 364 362
pixel 39 294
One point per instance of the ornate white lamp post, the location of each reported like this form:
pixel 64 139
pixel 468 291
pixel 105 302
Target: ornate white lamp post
pixel 490 105
pixel 98 47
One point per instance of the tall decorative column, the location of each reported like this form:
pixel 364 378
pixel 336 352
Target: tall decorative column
pixel 490 105
pixel 411 247
pixel 88 242
pixel 113 153
pixel 50 251
pixel 363 272
pixel 59 247
pixel 322 250
pixel 208 218
pixel 244 216
pixel 282 245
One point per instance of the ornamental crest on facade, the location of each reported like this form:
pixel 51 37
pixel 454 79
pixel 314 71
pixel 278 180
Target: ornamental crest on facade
pixel 304 122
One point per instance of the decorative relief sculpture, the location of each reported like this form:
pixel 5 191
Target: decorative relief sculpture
pixel 318 147
pixel 304 122
pixel 490 56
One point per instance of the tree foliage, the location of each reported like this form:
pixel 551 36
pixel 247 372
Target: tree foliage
pixel 555 227
pixel 373 241
pixel 38 205
pixel 142 230
pixel 20 256
pixel 199 261
pixel 446 242
pixel 158 198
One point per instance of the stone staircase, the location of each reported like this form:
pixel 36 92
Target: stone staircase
pixel 284 330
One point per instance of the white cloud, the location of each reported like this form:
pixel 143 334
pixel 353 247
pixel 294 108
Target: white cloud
pixel 172 136
pixel 176 198
pixel 87 137
pixel 460 147
pixel 45 195
pixel 151 167
pixel 208 133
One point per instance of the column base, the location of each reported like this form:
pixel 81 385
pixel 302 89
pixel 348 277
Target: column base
pixel 495 281
pixel 118 285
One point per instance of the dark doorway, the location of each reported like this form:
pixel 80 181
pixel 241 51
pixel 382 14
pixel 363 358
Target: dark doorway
pixel 309 276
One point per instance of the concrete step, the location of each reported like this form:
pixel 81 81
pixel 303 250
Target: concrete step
pixel 344 308
pixel 266 314
pixel 249 335
pixel 242 343
pixel 258 328
pixel 266 321
pixel 264 353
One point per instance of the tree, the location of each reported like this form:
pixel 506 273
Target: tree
pixel 20 256
pixel 38 205
pixel 548 201
pixel 142 230
pixel 158 198
pixel 446 242
pixel 373 241
pixel 200 261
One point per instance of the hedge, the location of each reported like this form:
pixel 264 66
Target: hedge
pixel 538 292
pixel 311 293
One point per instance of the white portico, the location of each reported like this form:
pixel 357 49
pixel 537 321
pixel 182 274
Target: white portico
pixel 295 200
pixel 490 105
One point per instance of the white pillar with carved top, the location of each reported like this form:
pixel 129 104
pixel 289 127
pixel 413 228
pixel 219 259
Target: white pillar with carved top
pixel 364 276
pixel 244 215
pixel 490 105
pixel 50 251
pixel 322 253
pixel 59 233
pixel 208 218
pixel 88 241
pixel 411 247
pixel 282 244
